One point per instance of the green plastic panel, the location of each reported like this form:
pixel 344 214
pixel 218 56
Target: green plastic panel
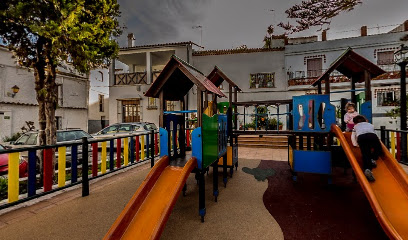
pixel 210 140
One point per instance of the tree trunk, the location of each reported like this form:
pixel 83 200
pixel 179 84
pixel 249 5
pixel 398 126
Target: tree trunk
pixel 39 75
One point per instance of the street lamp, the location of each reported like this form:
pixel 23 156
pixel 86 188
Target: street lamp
pixel 15 90
pixel 401 59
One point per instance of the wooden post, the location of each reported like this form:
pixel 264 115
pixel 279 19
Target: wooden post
pixel 161 107
pixel 205 100
pixel 199 107
pixel 319 87
pixel 214 99
pixel 230 95
pixel 235 107
pixel 367 80
pixel 353 87
pixel 327 85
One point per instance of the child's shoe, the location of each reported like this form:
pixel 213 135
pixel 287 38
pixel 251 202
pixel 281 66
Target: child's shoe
pixel 369 175
pixel 373 163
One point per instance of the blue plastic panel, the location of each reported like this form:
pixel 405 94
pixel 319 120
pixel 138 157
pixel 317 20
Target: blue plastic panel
pixel 367 111
pixel 197 146
pixel 222 134
pixel 312 161
pixel 164 139
pixel 306 110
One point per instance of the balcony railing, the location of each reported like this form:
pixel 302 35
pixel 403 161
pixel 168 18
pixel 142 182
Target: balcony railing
pixel 134 78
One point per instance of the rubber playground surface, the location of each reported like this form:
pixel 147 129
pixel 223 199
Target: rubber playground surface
pixel 276 208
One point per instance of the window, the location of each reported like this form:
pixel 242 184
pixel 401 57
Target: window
pixel 314 67
pixel 131 110
pixel 99 76
pixel 58 122
pixel 262 80
pixel 111 129
pixel 170 105
pixel 125 128
pixel 60 95
pixel 150 127
pixel 385 58
pixel 151 103
pixel 388 98
pixel 22 140
pixel 101 103
pixel 32 140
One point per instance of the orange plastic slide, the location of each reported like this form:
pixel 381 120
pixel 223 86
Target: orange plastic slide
pixel 388 195
pixel 147 212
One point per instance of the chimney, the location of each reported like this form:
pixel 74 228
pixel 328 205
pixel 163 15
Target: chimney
pixel 324 35
pixel 364 31
pixel 131 40
pixel 406 26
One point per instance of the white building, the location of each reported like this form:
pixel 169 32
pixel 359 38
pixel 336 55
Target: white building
pixel 141 65
pixel 286 70
pixel 308 60
pixel 98 113
pixel 16 109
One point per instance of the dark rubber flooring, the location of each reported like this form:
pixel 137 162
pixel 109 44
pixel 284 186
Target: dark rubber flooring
pixel 310 209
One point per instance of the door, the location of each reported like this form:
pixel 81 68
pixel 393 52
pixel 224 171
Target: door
pixel 131 111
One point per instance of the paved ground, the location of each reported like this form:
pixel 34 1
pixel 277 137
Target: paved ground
pixel 239 213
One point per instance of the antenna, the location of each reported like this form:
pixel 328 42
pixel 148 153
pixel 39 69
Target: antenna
pixel 201 33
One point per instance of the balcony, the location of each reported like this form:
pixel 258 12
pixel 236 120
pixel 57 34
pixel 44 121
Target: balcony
pixel 134 78
pixel 299 78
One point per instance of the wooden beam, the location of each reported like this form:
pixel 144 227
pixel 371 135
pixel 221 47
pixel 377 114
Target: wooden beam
pixel 367 80
pixel 327 85
pixel 353 87
pixel 235 107
pixel 162 108
pixel 205 99
pixel 199 108
pixel 319 87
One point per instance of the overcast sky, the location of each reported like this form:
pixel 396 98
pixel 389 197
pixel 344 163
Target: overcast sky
pixel 231 23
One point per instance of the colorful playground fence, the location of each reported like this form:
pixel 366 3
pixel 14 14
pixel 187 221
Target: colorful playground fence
pixel 393 139
pixel 70 168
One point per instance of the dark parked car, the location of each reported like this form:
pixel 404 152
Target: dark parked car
pixel 4 164
pixel 30 139
pixel 120 129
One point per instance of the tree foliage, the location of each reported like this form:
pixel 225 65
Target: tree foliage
pixel 316 13
pixel 45 34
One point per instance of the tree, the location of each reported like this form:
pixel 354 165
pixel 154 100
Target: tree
pixel 268 37
pixel 316 13
pixel 45 34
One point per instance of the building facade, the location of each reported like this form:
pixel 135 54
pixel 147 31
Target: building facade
pixel 17 108
pixel 98 113
pixel 281 72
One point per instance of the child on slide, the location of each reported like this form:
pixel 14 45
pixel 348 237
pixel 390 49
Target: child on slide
pixel 350 114
pixel 364 136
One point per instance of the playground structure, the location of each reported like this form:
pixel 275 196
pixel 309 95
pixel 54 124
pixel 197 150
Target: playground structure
pixel 310 116
pixel 167 179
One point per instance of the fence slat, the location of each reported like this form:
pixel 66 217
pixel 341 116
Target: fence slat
pixel 398 146
pixel 142 147
pixel 94 159
pixel 132 149
pixel 111 150
pixel 62 151
pixel 32 179
pixel 393 144
pixel 137 149
pixel 118 152
pixel 48 169
pixel 74 163
pixel 103 158
pixel 147 146
pixel 156 144
pixel 125 151
pixel 13 176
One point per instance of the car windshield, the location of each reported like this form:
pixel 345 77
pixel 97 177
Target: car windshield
pixel 150 126
pixel 125 128
pixel 66 136
pixel 22 140
pixel 108 130
pixel 1 148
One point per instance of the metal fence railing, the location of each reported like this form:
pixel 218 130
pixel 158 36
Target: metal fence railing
pixel 393 140
pixel 76 162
